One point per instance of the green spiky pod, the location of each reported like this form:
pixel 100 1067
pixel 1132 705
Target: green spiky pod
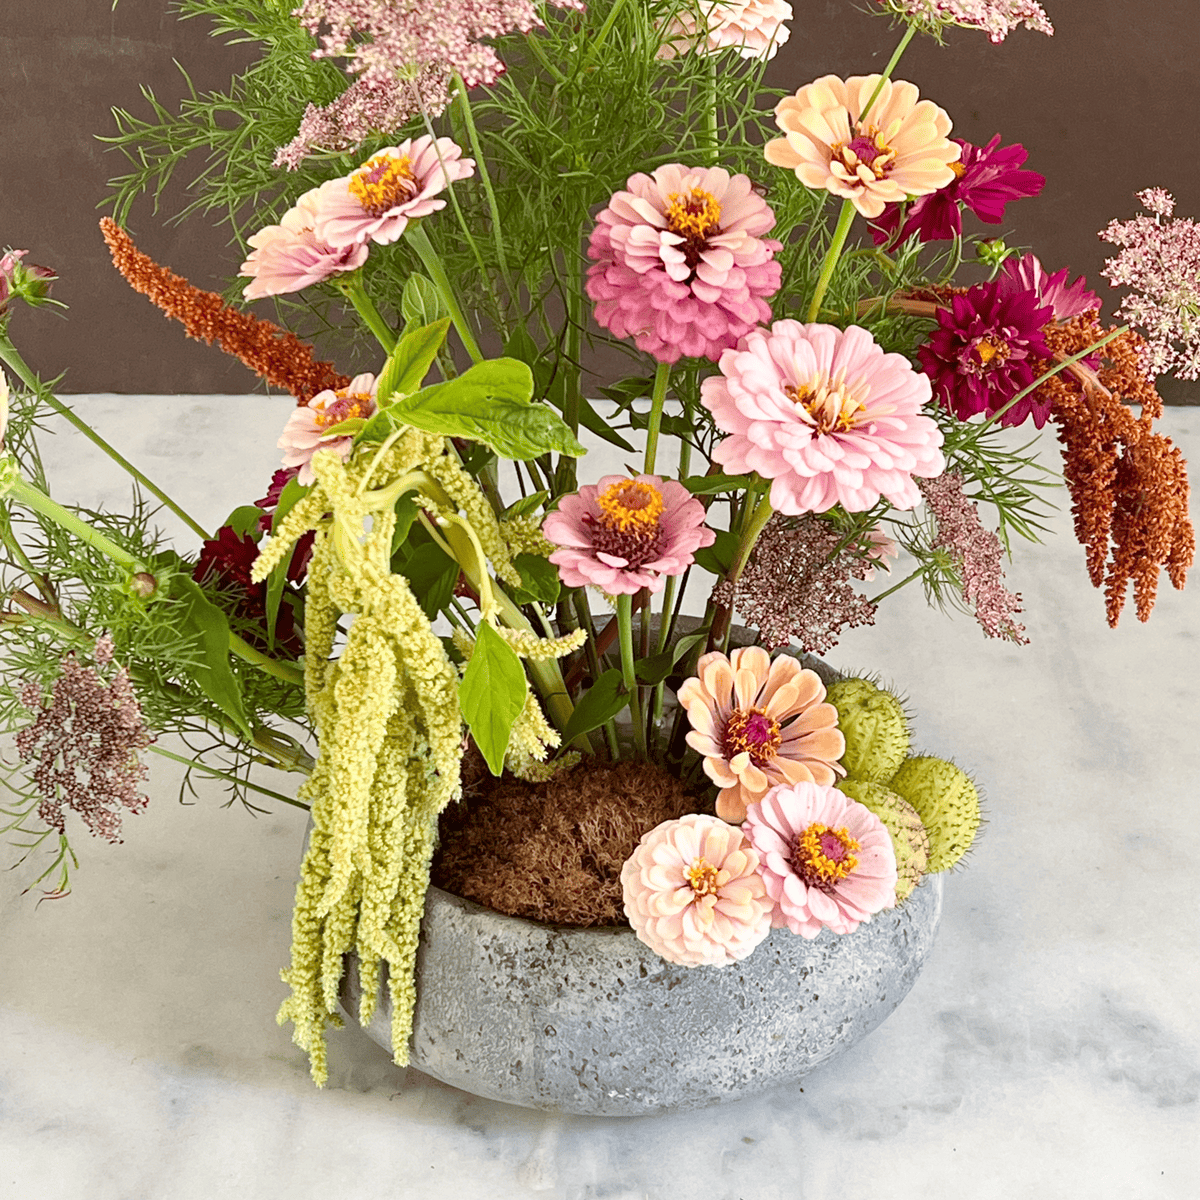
pixel 874 726
pixel 910 839
pixel 948 803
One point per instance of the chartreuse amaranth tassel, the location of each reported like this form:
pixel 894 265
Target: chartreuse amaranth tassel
pixel 910 839
pixel 948 803
pixel 874 726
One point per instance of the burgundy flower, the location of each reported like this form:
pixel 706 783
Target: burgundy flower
pixel 298 567
pixel 986 179
pixel 984 352
pixel 1067 299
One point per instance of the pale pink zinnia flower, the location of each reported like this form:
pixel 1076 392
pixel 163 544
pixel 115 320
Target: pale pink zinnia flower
pixel 693 893
pixel 754 28
pixel 289 257
pixel 304 434
pixel 681 266
pixel 826 415
pixel 827 860
pixel 759 723
pixel 901 148
pixel 398 184
pixel 622 534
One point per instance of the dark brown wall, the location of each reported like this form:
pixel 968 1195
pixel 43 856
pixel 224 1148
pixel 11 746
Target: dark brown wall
pixel 1106 107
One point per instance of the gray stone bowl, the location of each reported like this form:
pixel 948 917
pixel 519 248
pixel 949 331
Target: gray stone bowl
pixel 593 1022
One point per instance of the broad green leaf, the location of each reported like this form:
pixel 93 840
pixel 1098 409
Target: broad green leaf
pixel 526 505
pixel 406 514
pixel 539 579
pixel 601 702
pixel 213 673
pixel 431 574
pixel 718 557
pixel 421 303
pixel 710 485
pixel 244 520
pixel 492 694
pixel 409 363
pixel 350 427
pixel 658 666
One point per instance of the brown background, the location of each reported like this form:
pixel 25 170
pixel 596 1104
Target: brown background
pixel 1106 107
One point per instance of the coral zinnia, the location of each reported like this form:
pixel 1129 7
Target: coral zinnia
pixel 759 723
pixel 986 179
pixel 396 185
pixel 826 415
pixel 289 257
pixel 623 534
pixel 983 353
pixel 898 149
pixel 826 859
pixel 304 434
pixel 754 28
pixel 693 893
pixel 681 266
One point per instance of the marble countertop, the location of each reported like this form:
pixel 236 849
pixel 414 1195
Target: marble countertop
pixel 1050 1049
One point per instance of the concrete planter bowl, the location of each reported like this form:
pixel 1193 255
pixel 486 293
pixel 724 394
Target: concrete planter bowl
pixel 592 1022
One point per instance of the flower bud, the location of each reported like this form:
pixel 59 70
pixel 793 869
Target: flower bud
pixel 143 585
pixel 992 252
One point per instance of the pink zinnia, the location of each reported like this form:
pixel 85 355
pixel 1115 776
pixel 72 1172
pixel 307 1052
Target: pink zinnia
pixel 681 266
pixel 304 434
pixel 826 415
pixel 827 860
pixel 754 28
pixel 623 534
pixel 289 257
pixel 693 893
pixel 395 186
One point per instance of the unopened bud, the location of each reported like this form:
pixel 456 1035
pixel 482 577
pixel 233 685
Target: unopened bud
pixel 992 252
pixel 143 585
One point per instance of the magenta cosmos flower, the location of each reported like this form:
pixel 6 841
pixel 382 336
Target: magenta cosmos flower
pixel 693 893
pixel 289 257
pixel 826 415
pixel 754 28
pixel 304 434
pixel 623 534
pixel 759 723
pixel 985 350
pixel 1026 274
pixel 397 185
pixel 827 860
pixel 681 266
pixel 986 179
pixel 899 148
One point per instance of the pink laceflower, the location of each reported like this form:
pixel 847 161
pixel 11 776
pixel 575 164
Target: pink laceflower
pixel 681 266
pixel 754 28
pixel 289 257
pixel 826 415
pixel 304 434
pixel 899 148
pixel 400 183
pixel 623 534
pixel 827 861
pixel 997 18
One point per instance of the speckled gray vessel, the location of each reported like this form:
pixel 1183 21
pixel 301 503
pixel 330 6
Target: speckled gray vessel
pixel 591 1021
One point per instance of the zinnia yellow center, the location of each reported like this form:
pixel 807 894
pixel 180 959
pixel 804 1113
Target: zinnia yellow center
pixel 630 507
pixel 383 182
pixel 347 406
pixel 822 855
pixel 695 215
pixel 829 404
pixel 751 731
pixel 702 875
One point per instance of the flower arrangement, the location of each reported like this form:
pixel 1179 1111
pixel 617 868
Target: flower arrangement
pixel 435 592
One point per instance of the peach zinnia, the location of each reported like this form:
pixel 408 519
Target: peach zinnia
pixel 304 434
pixel 760 723
pixel 900 148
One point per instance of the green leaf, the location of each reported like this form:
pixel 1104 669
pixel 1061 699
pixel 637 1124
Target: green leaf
pixel 492 694
pixel 526 505
pixel 658 666
pixel 601 702
pixel 432 574
pixel 213 673
pixel 539 579
pixel 409 363
pixel 421 303
pixel 710 485
pixel 718 557
pixel 350 427
pixel 244 520
pixel 406 514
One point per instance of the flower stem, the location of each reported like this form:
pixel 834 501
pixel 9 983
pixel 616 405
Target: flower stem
pixel 242 649
pixel 751 528
pixel 845 218
pixel 712 133
pixel 662 375
pixel 352 288
pixel 202 766
pixel 419 240
pixel 897 586
pixel 887 71
pixel 10 356
pixel 599 39
pixel 625 627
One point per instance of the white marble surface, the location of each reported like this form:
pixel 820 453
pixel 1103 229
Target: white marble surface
pixel 1051 1048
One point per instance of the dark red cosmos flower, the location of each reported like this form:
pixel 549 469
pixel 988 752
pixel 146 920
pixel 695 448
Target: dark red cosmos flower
pixel 1067 299
pixel 985 350
pixel 987 178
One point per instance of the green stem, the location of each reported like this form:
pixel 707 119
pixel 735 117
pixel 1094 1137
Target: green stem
pixel 419 240
pixel 605 29
pixel 751 528
pixel 9 538
pixel 254 787
pixel 32 497
pixel 628 674
pixel 897 586
pixel 573 392
pixel 662 375
pixel 887 71
pixel 242 649
pixel 711 130
pixel 845 219
pixel 352 288
pixel 10 356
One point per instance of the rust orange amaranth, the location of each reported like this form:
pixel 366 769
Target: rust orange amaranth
pixel 272 353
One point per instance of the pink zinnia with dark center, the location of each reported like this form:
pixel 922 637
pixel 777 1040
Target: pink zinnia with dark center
pixel 986 179
pixel 985 350
pixel 622 534
pixel 304 434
